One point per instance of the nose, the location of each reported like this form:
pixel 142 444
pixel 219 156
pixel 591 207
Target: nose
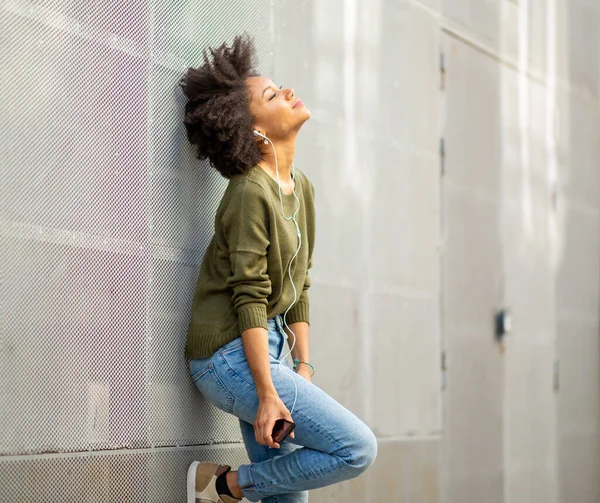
pixel 290 93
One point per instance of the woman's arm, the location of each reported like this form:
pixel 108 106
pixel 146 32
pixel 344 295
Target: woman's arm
pixel 245 224
pixel 300 349
pixel 256 347
pixel 270 406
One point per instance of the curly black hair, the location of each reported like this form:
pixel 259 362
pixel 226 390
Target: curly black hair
pixel 217 115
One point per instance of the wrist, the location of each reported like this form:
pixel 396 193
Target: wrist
pixel 267 394
pixel 304 365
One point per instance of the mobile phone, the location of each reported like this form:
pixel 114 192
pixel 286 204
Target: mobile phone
pixel 282 429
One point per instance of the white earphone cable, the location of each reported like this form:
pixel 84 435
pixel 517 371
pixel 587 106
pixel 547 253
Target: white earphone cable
pixel 298 233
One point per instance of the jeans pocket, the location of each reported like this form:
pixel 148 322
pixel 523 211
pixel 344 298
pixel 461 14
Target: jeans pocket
pixel 238 367
pixel 211 386
pixel 196 366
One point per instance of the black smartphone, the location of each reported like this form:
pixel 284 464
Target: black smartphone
pixel 282 429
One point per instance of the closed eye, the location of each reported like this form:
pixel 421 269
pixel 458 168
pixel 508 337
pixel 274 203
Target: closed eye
pixel 275 94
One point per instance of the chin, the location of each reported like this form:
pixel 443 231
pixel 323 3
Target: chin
pixel 300 121
pixel 307 115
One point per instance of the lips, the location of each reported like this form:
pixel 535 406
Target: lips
pixel 298 103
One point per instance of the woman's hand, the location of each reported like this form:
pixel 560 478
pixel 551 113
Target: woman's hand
pixel 270 409
pixel 304 371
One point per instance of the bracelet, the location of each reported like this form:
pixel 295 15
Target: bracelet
pixel 296 362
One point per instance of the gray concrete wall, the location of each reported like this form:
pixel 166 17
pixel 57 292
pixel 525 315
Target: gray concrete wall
pixel 105 214
pixel 521 231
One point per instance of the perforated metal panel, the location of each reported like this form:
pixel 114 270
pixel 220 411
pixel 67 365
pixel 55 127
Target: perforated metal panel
pixel 104 216
pixel 157 475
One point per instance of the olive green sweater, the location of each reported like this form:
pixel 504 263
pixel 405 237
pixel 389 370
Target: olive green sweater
pixel 244 279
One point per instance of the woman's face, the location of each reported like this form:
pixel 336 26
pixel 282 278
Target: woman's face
pixel 278 113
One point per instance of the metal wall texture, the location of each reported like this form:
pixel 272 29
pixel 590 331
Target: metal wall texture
pixel 105 215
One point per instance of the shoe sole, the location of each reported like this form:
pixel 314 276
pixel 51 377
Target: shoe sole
pixel 191 482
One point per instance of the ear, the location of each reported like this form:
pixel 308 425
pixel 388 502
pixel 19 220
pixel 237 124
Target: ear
pixel 259 139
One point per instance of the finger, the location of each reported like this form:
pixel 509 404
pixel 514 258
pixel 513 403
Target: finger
pixel 268 431
pixel 265 438
pixel 259 437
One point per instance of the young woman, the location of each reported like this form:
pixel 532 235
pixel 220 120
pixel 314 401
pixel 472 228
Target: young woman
pixel 251 294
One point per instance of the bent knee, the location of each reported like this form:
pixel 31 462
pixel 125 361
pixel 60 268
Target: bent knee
pixel 362 452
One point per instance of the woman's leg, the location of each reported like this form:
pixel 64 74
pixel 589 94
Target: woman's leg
pixel 257 453
pixel 335 445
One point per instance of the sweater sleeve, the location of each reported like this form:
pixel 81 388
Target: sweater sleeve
pixel 245 226
pixel 300 311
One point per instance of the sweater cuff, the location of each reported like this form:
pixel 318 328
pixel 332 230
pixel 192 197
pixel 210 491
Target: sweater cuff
pixel 252 316
pixel 299 312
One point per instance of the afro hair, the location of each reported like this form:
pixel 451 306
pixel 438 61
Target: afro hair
pixel 217 114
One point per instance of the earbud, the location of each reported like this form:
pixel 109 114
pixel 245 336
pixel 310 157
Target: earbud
pixel 256 133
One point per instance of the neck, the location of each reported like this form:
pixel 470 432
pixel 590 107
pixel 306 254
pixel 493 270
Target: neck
pixel 285 156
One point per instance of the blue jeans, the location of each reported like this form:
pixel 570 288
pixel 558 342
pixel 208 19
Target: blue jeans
pixel 331 444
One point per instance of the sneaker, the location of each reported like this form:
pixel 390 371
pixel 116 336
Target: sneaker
pixel 202 483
